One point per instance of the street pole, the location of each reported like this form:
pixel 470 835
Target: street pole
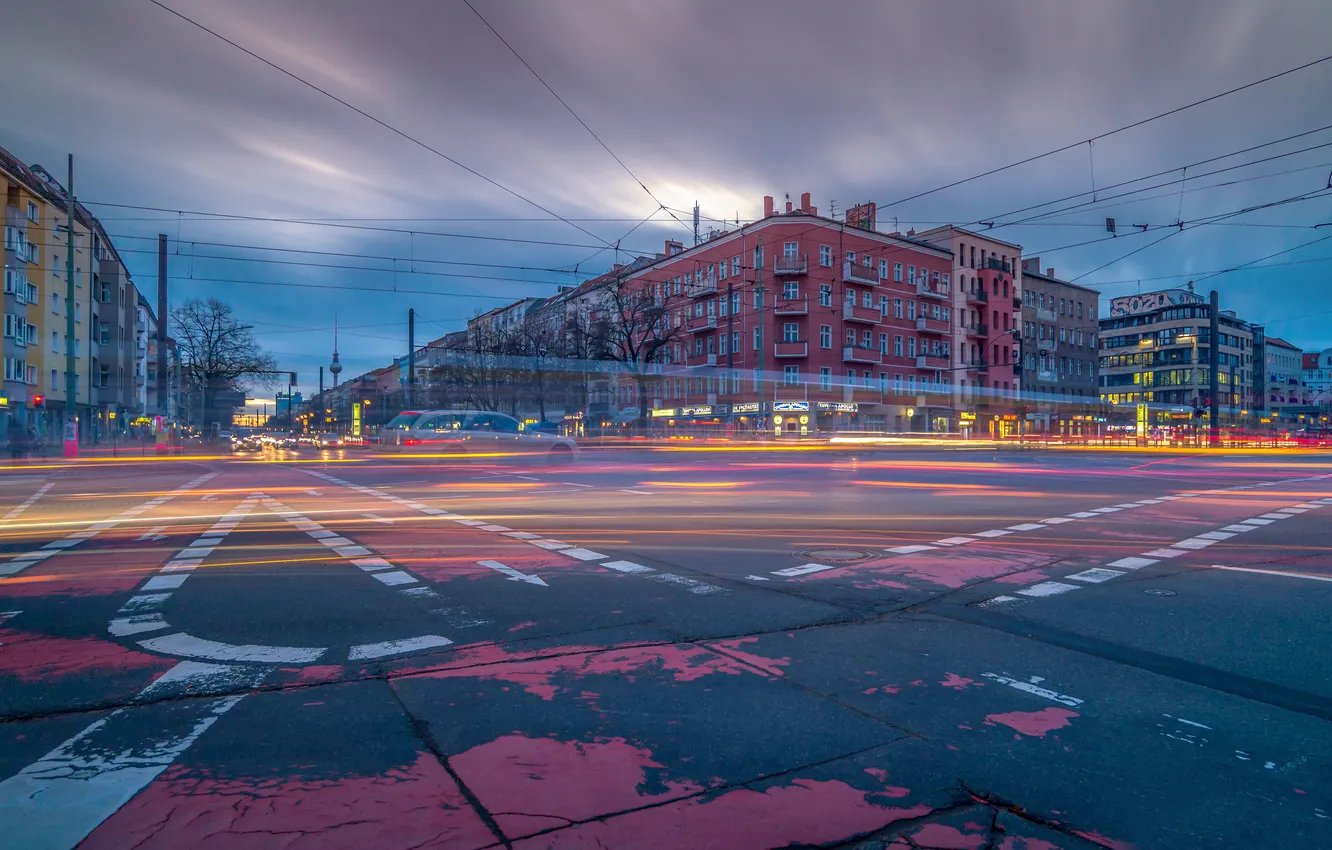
pixel 730 352
pixel 411 355
pixel 162 406
pixel 758 319
pixel 71 440
pixel 1214 363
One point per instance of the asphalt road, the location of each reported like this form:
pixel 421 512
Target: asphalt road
pixel 681 648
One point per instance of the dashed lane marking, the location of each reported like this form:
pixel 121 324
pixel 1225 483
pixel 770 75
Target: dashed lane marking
pixel 1133 563
pixel 1047 588
pixel 31 500
pixel 394 648
pixel 19 563
pixel 803 569
pixel 1030 686
pixel 1095 575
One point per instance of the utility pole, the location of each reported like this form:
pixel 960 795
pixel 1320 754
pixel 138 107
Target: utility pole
pixel 1214 363
pixel 71 440
pixel 411 355
pixel 730 346
pixel 162 407
pixel 758 307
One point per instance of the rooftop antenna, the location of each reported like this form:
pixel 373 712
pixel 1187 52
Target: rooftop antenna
pixel 696 240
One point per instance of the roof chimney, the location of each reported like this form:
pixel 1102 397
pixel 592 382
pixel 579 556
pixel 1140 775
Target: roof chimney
pixel 1049 272
pixel 788 203
pixel 767 205
pixel 804 203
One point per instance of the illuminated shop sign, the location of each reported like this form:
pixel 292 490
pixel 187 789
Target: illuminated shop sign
pixel 663 411
pixel 839 406
pixel 790 406
pixel 745 407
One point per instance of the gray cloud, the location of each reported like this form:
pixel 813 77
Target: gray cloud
pixel 719 102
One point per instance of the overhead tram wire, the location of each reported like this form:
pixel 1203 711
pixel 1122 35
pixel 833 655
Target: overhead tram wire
pixel 577 118
pixel 370 117
pixel 1109 133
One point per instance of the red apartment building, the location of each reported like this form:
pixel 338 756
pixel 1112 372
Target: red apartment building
pixel 829 325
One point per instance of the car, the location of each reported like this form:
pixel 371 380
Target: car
pixel 329 441
pixel 471 432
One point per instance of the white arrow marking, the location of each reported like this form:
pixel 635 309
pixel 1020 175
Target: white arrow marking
pixel 513 574
pixel 154 534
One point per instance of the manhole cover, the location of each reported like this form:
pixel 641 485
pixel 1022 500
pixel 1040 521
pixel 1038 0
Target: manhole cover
pixel 837 555
pixel 1155 592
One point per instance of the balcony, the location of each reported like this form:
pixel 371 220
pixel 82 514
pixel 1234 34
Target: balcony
pixel 979 329
pixel 860 354
pixel 784 265
pixel 869 315
pixel 856 273
pixel 701 360
pixel 977 296
pixel 702 288
pixel 798 306
pixel 699 324
pixel 931 361
pixel 931 326
pixel 923 288
pixel 1044 314
pixel 798 348
pixel 996 264
pixel 1045 345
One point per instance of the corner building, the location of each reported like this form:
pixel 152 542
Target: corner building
pixel 806 317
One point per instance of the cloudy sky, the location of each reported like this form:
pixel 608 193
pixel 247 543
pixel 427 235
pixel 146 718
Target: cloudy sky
pixel 718 103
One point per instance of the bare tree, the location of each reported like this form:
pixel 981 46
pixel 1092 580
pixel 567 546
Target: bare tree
pixel 218 354
pixel 635 328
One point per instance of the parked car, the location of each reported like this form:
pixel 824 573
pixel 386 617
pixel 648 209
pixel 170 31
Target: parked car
pixel 474 432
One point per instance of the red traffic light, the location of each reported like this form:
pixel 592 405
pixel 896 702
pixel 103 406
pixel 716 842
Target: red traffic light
pixel 37 400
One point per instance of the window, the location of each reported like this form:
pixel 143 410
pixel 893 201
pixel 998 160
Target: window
pixel 78 311
pixel 758 258
pixel 1061 307
pixel 850 336
pixel 790 375
pixel 712 345
pixel 867 301
pixel 911 311
pixel 1079 309
pixel 721 343
pixel 911 384
pixel 721 270
pixel 790 250
pixel 55 380
pixel 758 338
pixel 735 266
pixel 897 272
pixel 735 346
pixel 850 296
pixel 825 378
pixel 897 346
pixel 758 300
pixel 721 306
pixel 851 257
pixel 883 305
pixel 825 295
pixel 790 332
pixel 897 308
pixel 55 342
pixel 944 278
pixel 883 382
pixel 883 269
pixel 911 275
pixel 712 271
pixel 943 314
pixel 911 346
pixel 34 213
pixel 867 340
pixel 883 343
pixel 825 336
pixel 825 255
pixel 1061 335
pixel 698 345
pixel 790 290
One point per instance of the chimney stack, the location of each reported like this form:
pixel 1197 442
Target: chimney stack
pixel 767 205
pixel 1049 272
pixel 804 203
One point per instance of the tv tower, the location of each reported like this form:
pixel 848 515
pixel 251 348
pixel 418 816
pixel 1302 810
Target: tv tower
pixel 335 367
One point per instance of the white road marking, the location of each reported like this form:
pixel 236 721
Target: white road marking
pixel 908 550
pixel 1238 529
pixel 581 554
pixel 184 645
pixel 163 582
pixel 995 532
pixel 1274 516
pixel 378 518
pixel 1032 688
pixel 394 578
pixel 352 551
pixel 1056 520
pixel 123 626
pixel 472 522
pixel 998 600
pixel 1082 515
pixel 1256 521
pixel 1047 588
pixel 757 578
pixel 692 585
pixel 31 500
pixel 371 564
pixel 522 535
pixel 1166 553
pixel 628 567
pixel 1285 573
pixel 1217 535
pixel 1132 563
pixel 1193 543
pixel 1095 575
pixel 494 528
pixel 550 544
pixel 513 574
pixel 55 802
pixel 803 569
pixel 638 492
pixel 1027 526
pixel 1292 510
pixel 1105 510
pixel 956 541
pixel 367 651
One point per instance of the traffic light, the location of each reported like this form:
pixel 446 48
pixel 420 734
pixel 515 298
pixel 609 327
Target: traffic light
pixel 38 400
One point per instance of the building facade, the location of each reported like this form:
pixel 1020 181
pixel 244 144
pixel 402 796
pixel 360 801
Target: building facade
pixel 24 209
pixel 1155 349
pixel 1284 376
pixel 1317 369
pixel 1059 354
pixel 986 298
